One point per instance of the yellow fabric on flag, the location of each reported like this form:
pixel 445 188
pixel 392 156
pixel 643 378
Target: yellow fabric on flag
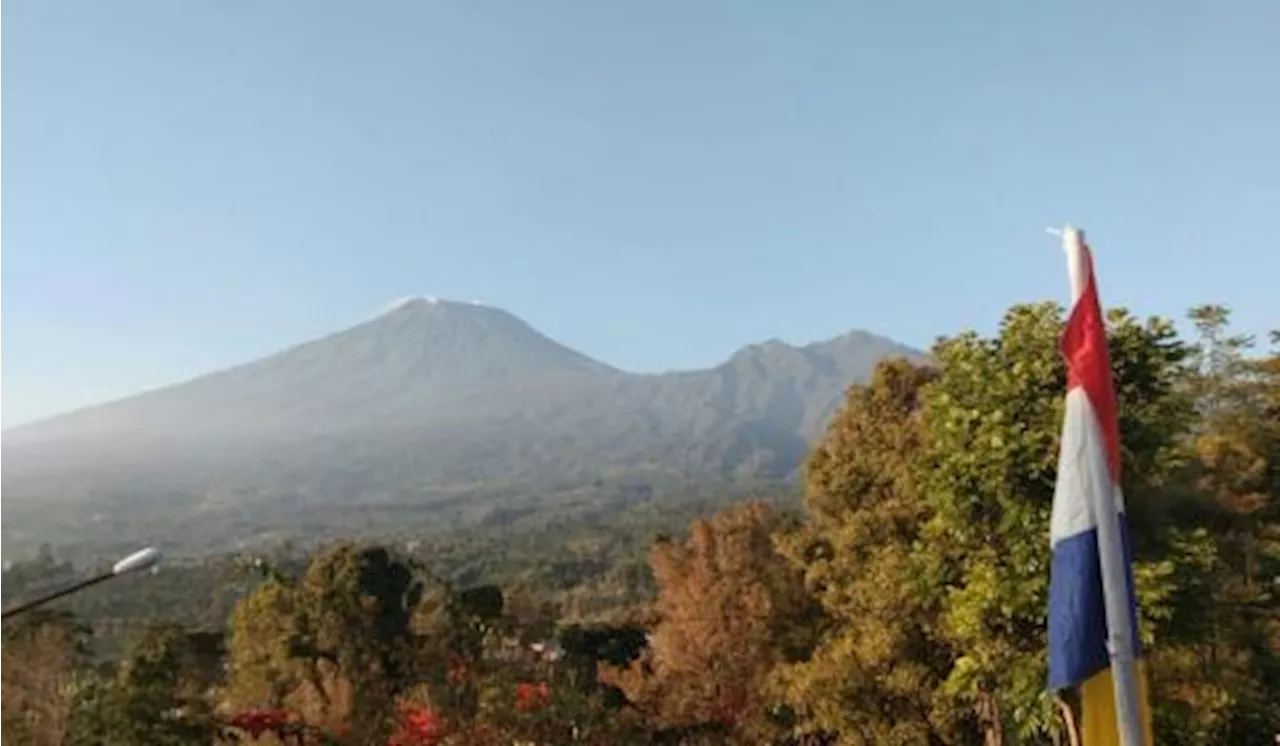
pixel 1098 723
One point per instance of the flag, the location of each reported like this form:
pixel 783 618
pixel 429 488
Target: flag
pixel 1088 484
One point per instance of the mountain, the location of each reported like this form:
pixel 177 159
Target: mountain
pixel 416 357
pixel 423 406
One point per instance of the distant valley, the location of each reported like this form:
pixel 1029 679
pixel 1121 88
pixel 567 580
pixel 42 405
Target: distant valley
pixel 440 413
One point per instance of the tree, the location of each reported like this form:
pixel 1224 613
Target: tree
pixel 873 677
pixel 994 421
pixel 1237 443
pixel 338 644
pixel 360 602
pixel 585 648
pixel 451 630
pixel 727 605
pixel 155 697
pixel 927 542
pixel 45 654
pixel 1220 666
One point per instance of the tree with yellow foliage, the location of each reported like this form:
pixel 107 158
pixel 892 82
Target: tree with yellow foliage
pixel 45 654
pixel 728 611
pixel 873 678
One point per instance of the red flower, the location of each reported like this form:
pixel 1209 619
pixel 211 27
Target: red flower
pixel 419 726
pixel 457 671
pixel 531 697
pixel 257 722
pixel 726 711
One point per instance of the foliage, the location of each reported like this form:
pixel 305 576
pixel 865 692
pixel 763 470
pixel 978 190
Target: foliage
pixel 873 678
pixel 943 480
pixel 45 657
pixel 728 609
pixel 155 697
pixel 338 643
pixel 1219 666
pixel 994 418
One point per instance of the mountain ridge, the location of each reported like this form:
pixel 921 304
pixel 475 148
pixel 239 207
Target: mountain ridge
pixel 423 405
pixel 416 304
pixel 396 321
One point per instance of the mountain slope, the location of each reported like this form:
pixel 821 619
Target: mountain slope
pixel 427 402
pixel 419 355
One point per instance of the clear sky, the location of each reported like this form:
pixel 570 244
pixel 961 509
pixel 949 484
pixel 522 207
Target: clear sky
pixel 190 185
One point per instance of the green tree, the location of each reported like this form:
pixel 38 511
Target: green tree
pixel 873 677
pixel 337 644
pixel 994 419
pixel 360 602
pixel 1220 665
pixel 265 630
pixel 927 542
pixel 156 696
pixel 452 630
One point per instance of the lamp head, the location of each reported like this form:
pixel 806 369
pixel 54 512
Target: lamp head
pixel 143 559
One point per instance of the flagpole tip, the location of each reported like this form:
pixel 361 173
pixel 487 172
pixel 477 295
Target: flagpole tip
pixel 1068 233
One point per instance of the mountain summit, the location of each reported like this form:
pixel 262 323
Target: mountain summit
pixel 451 343
pixel 418 356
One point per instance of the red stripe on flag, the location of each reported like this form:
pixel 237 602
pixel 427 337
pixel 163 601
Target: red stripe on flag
pixel 1084 345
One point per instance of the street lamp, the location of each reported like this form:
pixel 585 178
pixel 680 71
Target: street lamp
pixel 143 559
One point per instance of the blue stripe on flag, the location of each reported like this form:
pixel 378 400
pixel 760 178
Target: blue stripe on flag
pixel 1077 615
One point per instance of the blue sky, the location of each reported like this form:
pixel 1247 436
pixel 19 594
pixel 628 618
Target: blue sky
pixel 191 185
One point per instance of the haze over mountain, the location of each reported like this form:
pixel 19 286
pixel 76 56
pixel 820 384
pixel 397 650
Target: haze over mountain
pixel 424 401
pixel 418 356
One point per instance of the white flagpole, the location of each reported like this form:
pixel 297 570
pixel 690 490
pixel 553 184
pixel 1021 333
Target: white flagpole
pixel 1115 572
